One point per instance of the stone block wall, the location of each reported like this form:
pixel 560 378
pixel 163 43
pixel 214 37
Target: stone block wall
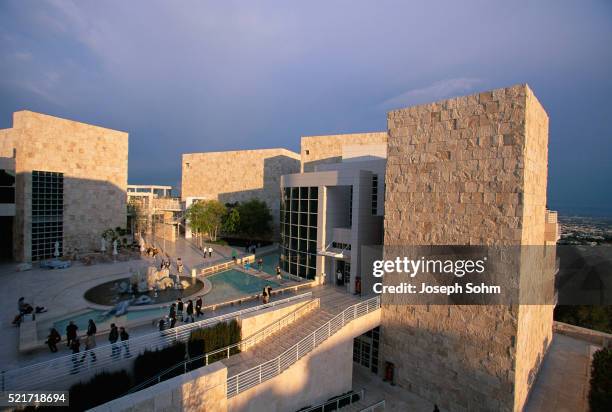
pixel 468 171
pixel 237 176
pixel 203 390
pixel 94 163
pixel 316 150
pixel 7 143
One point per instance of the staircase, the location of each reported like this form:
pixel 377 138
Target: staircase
pixel 273 355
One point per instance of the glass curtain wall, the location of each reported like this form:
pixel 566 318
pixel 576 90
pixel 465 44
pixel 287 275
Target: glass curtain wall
pixel 298 224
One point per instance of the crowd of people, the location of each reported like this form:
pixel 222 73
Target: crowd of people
pixel 76 343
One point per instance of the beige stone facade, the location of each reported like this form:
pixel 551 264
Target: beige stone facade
pixel 237 176
pixel 94 163
pixel 316 150
pixel 468 171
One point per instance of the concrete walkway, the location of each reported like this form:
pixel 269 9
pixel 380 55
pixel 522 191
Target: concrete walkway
pixel 562 384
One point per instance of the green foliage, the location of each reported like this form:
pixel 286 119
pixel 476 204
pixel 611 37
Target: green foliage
pixel 215 337
pixel 206 217
pixel 102 388
pixel 151 363
pixel 600 396
pixel 255 219
pixel 231 221
pixel 587 316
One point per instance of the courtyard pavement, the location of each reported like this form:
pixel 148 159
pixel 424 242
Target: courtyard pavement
pixel 61 292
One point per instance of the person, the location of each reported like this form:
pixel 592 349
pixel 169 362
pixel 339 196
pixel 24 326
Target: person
pixel 199 304
pixel 436 409
pixel 161 324
pixel 25 308
pixel 113 337
pixel 269 291
pixel 91 328
pixel 339 277
pixel 234 255
pixel 124 339
pixel 75 346
pixel 172 315
pixel 210 250
pixel 53 339
pixel 278 272
pixel 71 333
pixel 90 343
pixel 179 309
pixel 259 264
pixel 179 266
pixel 189 311
pixel 264 295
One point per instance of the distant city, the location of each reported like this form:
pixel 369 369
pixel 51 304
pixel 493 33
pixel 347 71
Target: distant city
pixel 585 230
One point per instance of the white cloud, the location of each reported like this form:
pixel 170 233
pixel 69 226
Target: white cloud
pixel 436 91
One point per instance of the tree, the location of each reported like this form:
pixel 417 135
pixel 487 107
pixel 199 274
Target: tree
pixel 206 217
pixel 231 222
pixel 255 219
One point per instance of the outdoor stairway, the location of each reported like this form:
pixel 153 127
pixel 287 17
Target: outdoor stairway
pixel 332 302
pixel 277 343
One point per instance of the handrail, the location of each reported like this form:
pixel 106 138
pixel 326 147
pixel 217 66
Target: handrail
pixel 336 401
pixel 378 406
pixel 267 370
pixel 51 374
pixel 242 345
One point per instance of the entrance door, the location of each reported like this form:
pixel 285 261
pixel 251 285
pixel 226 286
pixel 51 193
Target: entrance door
pixel 344 277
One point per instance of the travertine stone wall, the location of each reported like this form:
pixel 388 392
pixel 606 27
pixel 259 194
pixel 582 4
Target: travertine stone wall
pixel 94 161
pixel 316 150
pixel 7 143
pixel 467 171
pixel 202 390
pixel 237 176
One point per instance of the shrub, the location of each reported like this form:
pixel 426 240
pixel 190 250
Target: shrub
pixel 600 396
pixel 102 388
pixel 151 363
pixel 212 338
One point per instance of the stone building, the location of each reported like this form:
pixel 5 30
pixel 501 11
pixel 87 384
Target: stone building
pixel 237 176
pixel 333 207
pixel 70 183
pixel 468 171
pixel 317 150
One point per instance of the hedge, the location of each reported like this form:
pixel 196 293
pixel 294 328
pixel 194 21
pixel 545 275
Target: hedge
pixel 215 337
pixel 151 363
pixel 102 388
pixel 600 396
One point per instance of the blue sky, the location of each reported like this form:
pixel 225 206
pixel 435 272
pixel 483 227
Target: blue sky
pixel 189 76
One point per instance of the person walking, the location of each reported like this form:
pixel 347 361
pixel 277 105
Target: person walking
pixel 172 315
pixel 92 329
pixel 278 273
pixel 199 304
pixel 189 311
pixel 71 333
pixel 124 341
pixel 90 343
pixel 210 250
pixel 53 339
pixel 260 264
pixel 179 309
pixel 75 346
pixel 179 266
pixel 113 337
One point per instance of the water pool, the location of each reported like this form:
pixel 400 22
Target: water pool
pixel 226 286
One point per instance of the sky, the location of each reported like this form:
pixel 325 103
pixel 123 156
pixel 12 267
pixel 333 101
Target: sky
pixel 192 76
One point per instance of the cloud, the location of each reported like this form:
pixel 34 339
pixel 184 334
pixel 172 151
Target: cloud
pixel 436 91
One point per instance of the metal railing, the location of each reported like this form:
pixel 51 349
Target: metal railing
pixel 339 402
pixel 57 373
pixel 267 370
pixel 377 407
pixel 225 352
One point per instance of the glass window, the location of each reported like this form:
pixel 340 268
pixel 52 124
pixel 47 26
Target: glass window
pixel 47 214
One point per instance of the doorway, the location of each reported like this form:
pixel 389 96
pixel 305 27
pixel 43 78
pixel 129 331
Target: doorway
pixel 342 275
pixel 6 238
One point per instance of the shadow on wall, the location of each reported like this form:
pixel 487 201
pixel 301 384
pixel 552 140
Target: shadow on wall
pixel 311 166
pixel 82 208
pixel 274 168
